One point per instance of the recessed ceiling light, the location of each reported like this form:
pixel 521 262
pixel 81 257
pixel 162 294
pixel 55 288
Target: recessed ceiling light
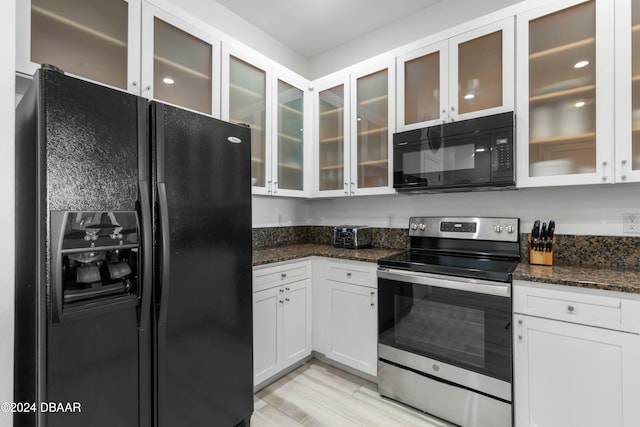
pixel 581 64
pixel 580 104
pixel 168 80
pixel 469 96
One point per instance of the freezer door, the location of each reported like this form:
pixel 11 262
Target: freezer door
pixel 203 280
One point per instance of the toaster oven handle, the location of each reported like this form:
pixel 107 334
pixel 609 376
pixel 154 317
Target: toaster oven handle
pixel 450 282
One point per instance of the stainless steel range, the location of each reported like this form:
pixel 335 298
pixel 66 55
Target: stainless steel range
pixel 444 319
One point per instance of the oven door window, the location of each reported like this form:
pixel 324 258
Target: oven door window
pixel 464 329
pixel 433 162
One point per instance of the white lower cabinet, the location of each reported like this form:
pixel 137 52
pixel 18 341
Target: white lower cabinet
pixel 281 320
pixel 568 372
pixel 346 320
pixel 352 328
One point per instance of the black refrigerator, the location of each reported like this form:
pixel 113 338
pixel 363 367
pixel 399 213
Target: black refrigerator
pixel 133 261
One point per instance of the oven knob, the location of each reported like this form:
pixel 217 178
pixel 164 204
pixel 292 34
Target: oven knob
pixel 422 227
pixel 510 229
pixel 497 228
pixel 414 226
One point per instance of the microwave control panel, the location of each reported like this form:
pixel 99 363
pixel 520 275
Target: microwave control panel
pixel 502 155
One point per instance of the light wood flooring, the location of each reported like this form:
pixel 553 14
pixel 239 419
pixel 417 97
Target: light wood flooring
pixel 317 394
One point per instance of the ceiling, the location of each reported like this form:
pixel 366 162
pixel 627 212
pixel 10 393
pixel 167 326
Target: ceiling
pixel 311 27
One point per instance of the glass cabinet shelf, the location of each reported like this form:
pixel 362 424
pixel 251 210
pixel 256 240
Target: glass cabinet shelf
pixel 588 42
pixel 562 93
pixel 290 138
pixel 565 138
pixel 332 140
pixel 373 131
pixel 246 91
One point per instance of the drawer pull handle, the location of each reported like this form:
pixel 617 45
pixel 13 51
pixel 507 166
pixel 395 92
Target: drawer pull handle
pixel 373 298
pixel 281 290
pixel 287 289
pixel 281 302
pixel 283 275
pixel 520 322
pixel 287 299
pixel 520 337
pixel 570 309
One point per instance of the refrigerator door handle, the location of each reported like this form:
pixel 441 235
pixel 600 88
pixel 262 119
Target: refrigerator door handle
pixel 165 253
pixel 147 254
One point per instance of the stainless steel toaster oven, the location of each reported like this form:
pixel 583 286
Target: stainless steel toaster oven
pixel 352 236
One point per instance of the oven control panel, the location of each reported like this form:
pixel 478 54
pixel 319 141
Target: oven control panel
pixel 479 228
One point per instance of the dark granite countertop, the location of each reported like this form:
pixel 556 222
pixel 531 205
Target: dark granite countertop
pixel 291 252
pixel 583 277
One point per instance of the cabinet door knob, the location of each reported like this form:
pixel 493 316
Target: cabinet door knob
pixel 519 321
pixel 520 337
pixel 283 275
pixel 570 309
pixel 348 274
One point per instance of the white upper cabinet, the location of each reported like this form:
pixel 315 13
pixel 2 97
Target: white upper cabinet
pixel 246 92
pixel 565 94
pixel 97 40
pixel 466 76
pixel 371 128
pixel 292 149
pixel 627 108
pixel 277 106
pixel 331 127
pixel 180 62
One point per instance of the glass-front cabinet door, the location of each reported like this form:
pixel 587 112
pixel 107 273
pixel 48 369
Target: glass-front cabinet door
pixel 565 94
pixel 423 87
pixel 180 63
pixel 289 167
pixel 372 127
pixel 627 161
pixel 245 92
pixel 93 39
pixel 331 107
pixel 466 76
pixel 482 62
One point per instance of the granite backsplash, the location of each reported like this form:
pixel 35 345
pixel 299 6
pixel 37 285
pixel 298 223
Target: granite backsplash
pixel 385 238
pixel 615 252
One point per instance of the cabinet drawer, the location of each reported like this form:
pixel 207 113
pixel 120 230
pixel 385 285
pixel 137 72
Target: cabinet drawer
pixel 577 306
pixel 268 277
pixel 354 274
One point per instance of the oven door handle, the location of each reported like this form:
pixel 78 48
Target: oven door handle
pixel 461 284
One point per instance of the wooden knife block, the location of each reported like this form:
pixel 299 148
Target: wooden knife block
pixel 540 257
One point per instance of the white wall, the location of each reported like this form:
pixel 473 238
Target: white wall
pixel 241 30
pixel 279 211
pixel 439 17
pixel 7 254
pixel 588 210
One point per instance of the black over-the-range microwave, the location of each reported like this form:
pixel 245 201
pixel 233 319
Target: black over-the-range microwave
pixel 474 154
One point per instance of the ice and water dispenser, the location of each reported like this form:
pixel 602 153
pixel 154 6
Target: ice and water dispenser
pixel 95 262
